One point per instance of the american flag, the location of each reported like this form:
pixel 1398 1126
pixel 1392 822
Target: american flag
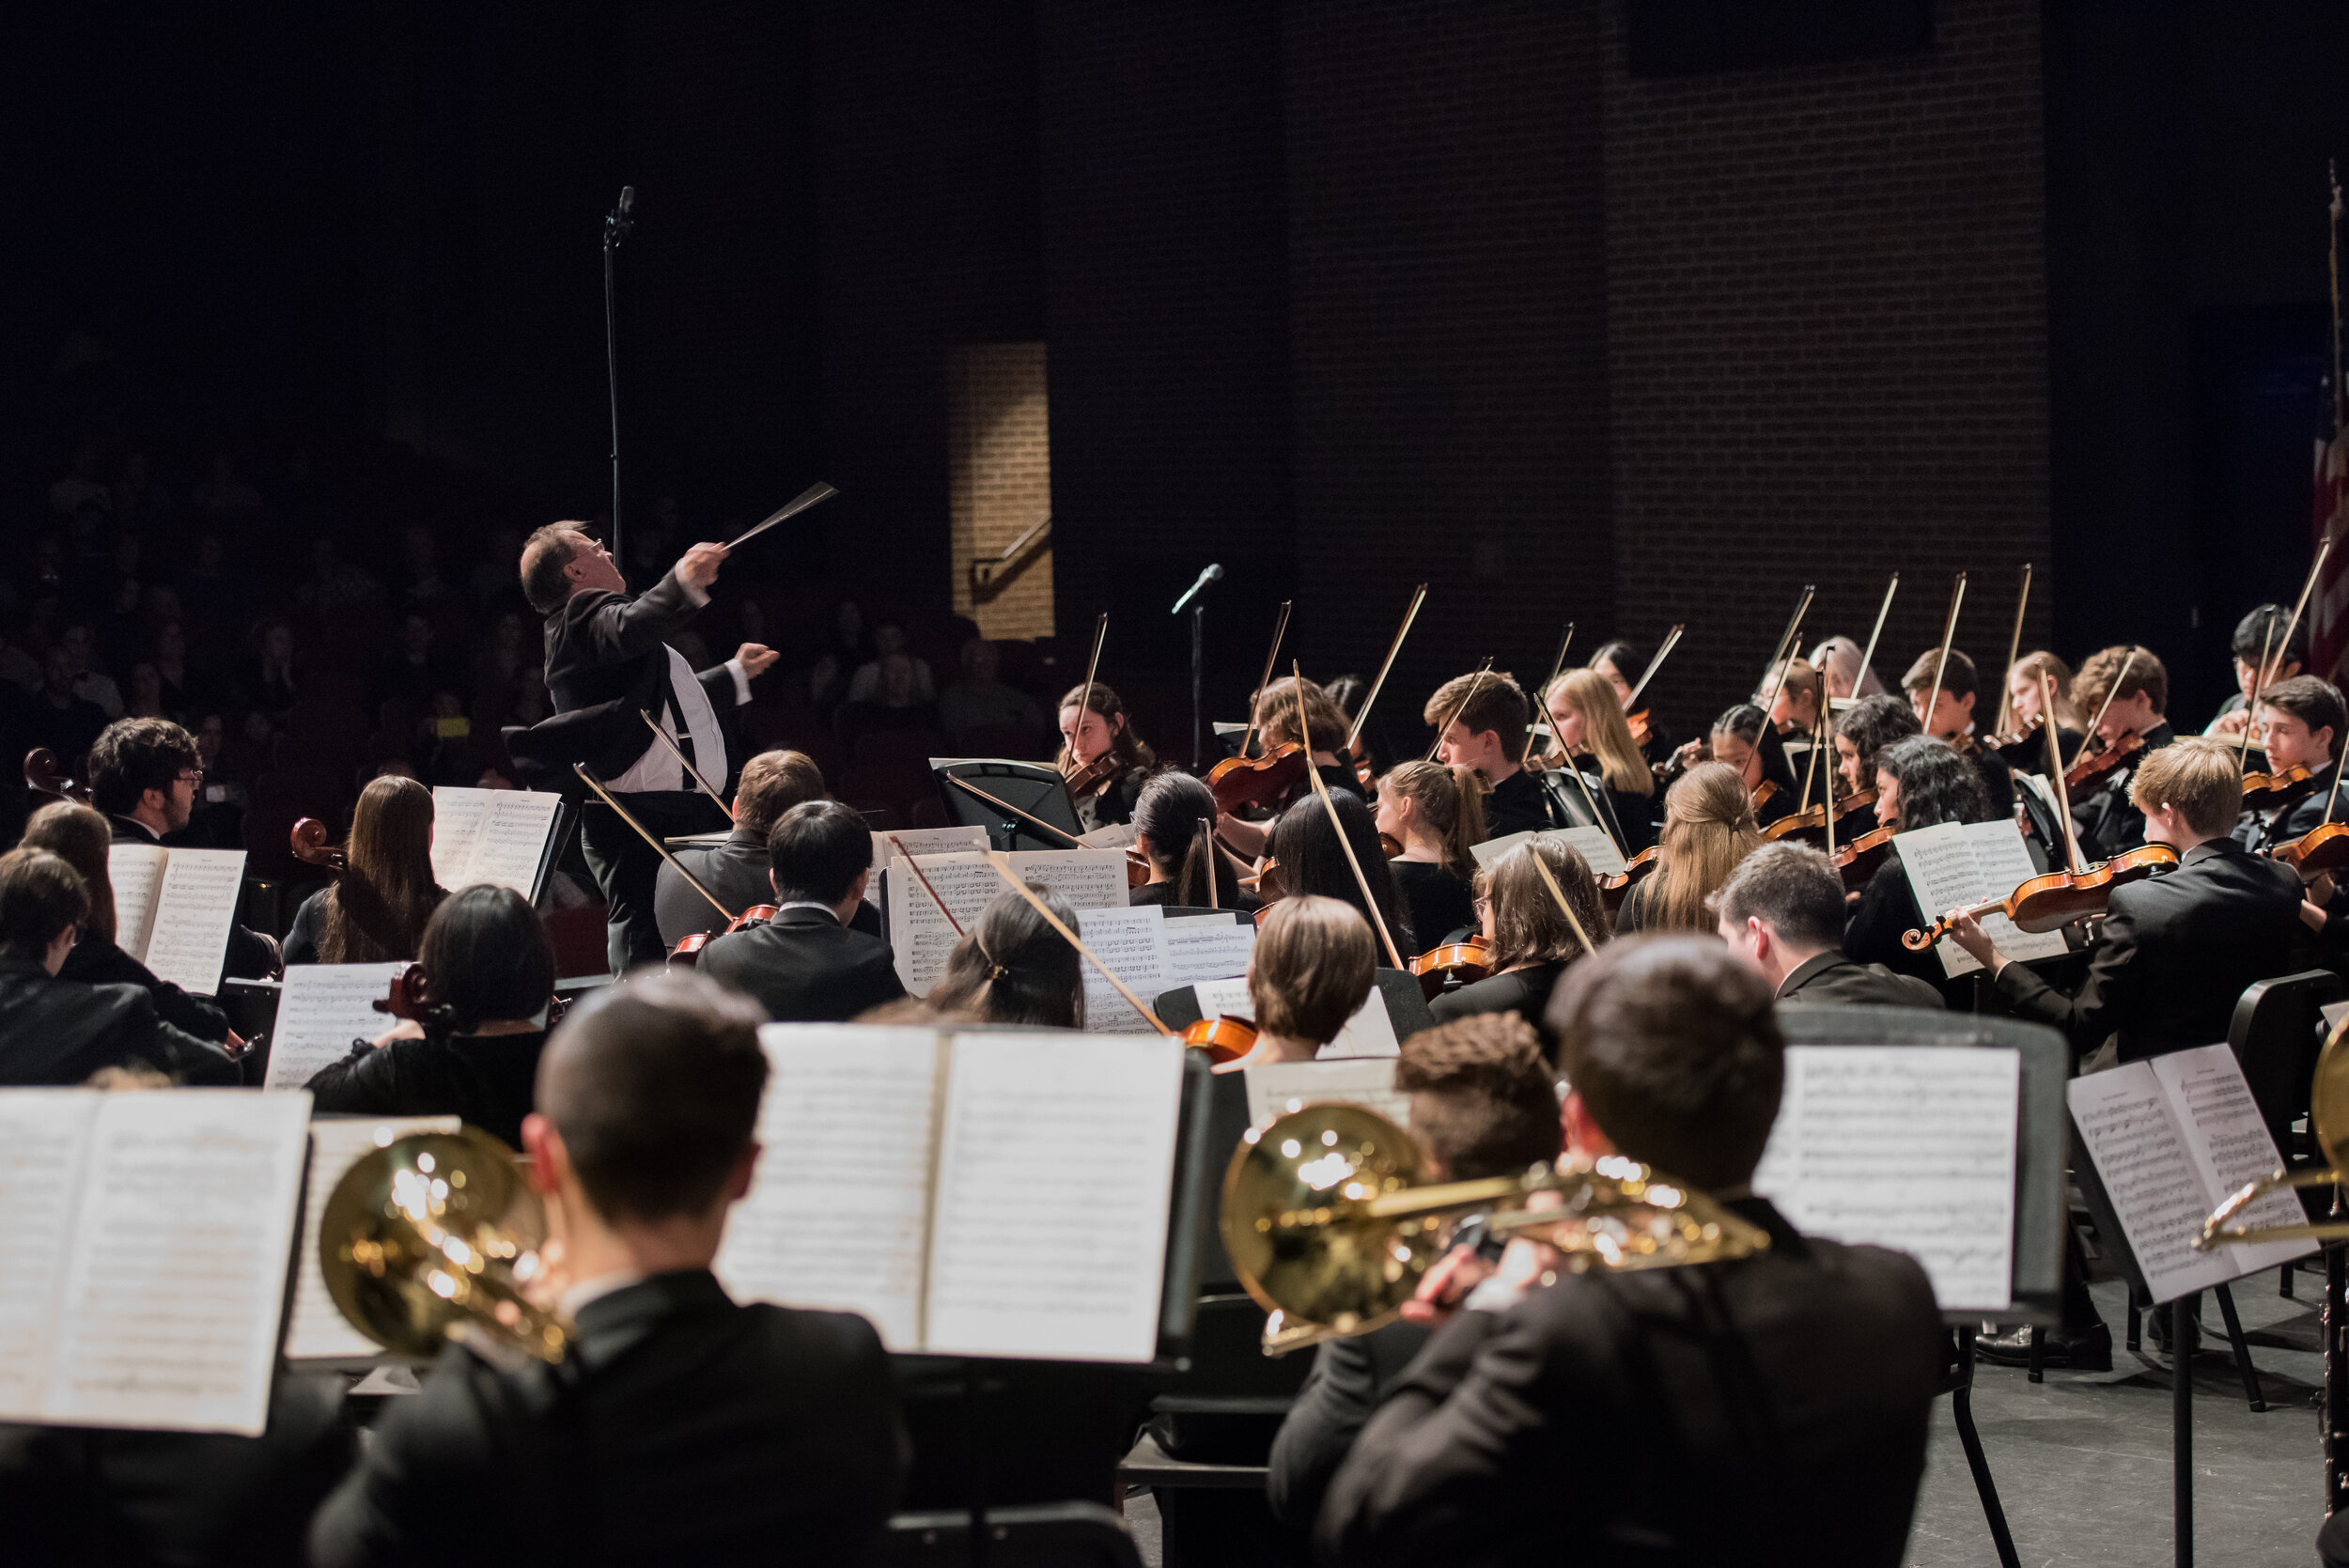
pixel 2329 608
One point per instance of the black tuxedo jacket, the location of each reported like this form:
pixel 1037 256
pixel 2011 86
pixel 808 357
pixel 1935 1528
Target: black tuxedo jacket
pixel 608 662
pixel 59 1032
pixel 251 956
pixel 96 961
pixel 1768 1410
pixel 1350 1378
pixel 804 966
pixel 735 871
pixel 681 1428
pixel 2263 831
pixel 2176 953
pixel 1831 977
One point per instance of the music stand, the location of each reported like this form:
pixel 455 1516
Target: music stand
pixel 1406 1004
pixel 1034 788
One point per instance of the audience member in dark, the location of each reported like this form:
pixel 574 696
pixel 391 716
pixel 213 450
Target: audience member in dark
pixel 979 699
pixel 270 683
pixel 808 965
pixel 374 911
pixel 1013 967
pixel 57 719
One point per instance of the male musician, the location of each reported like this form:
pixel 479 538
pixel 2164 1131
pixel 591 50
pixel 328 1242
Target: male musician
pixel 608 664
pixel 144 774
pixel 1783 912
pixel 1794 1384
pixel 681 1427
pixel 2301 723
pixel 1484 717
pixel 2175 952
pixel 734 871
pixel 1948 714
pixel 807 965
pixel 1484 1103
pixel 59 1032
pixel 2261 634
pixel 2139 689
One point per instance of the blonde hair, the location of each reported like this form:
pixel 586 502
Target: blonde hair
pixel 1708 829
pixel 1276 716
pixel 1528 925
pixel 1451 800
pixel 2196 778
pixel 2040 662
pixel 1606 734
pixel 1313 965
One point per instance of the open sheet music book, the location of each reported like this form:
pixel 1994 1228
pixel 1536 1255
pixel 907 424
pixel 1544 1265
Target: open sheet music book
pixel 1151 955
pixel 318 1328
pixel 491 835
pixel 1087 878
pixel 1911 1147
pixel 174 908
pixel 2172 1138
pixel 148 1235
pixel 1597 850
pixel 917 841
pixel 1369 1033
pixel 1954 864
pixel 322 1008
pixel 977 1194
pixel 1277 1088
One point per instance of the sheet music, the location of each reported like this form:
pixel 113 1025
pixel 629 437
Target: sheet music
pixel 836 1212
pixel 1132 943
pixel 1117 835
pixel 2158 1191
pixel 1370 1032
pixel 1087 878
pixel 1203 947
pixel 1952 864
pixel 318 1327
pixel 194 910
pixel 919 840
pixel 321 1010
pixel 457 815
pixel 512 839
pixel 136 871
pixel 1276 1088
pixel 2231 1146
pixel 1055 1171
pixel 172 1296
pixel 44 1147
pixel 1911 1147
pixel 1598 852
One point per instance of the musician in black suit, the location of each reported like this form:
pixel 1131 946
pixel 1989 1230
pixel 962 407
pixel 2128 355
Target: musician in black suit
pixel 1781 912
pixel 608 665
pixel 2137 687
pixel 681 1427
pixel 806 965
pixel 734 871
pixel 1763 1410
pixel 144 774
pixel 2176 951
pixel 2301 723
pixel 59 1032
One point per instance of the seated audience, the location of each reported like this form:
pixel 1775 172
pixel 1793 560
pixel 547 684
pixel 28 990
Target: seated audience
pixel 1310 860
pixel 374 912
pixel 144 774
pixel 488 975
pixel 682 1427
pixel 1013 967
pixel 979 699
pixel 1781 912
pixel 1708 828
pixel 1437 813
pixel 59 718
pixel 60 1031
pixel 1174 829
pixel 734 871
pixel 1313 966
pixel 1529 1428
pixel 1532 941
pixel 808 965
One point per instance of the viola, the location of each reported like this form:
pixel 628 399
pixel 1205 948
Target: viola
pixel 311 848
pixel 2323 850
pixel 2104 762
pixel 2262 790
pixel 1224 1039
pixel 43 776
pixel 2061 897
pixel 1453 965
pixel 1093 777
pixel 688 951
pixel 1815 819
pixel 1267 781
pixel 1863 856
pixel 1613 890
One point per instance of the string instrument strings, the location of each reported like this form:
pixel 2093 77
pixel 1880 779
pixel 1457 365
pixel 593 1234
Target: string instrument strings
pixel 587 776
pixel 1002 864
pixel 1459 708
pixel 2014 652
pixel 1321 792
pixel 685 761
pixel 1868 654
pixel 1361 714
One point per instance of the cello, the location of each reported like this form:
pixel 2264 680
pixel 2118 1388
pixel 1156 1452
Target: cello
pixel 43 776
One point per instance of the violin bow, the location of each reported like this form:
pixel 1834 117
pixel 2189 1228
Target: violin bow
pixel 1868 654
pixel 1565 905
pixel 1557 668
pixel 2102 708
pixel 1207 835
pixel 1084 701
pixel 1272 654
pixel 1826 810
pixel 920 875
pixel 1321 791
pixel 2055 760
pixel 1002 864
pixel 2283 650
pixel 1811 768
pixel 965 784
pixel 1461 707
pixel 1361 714
pixel 2251 703
pixel 685 761
pixel 1941 661
pixel 658 849
pixel 1782 657
pixel 1591 800
pixel 1672 640
pixel 2013 651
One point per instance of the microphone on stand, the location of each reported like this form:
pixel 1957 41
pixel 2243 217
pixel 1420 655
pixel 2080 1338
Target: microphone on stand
pixel 1213 574
pixel 623 218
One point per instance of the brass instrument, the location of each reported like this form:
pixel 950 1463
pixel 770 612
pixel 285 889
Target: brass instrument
pixel 1330 1221
pixel 428 1238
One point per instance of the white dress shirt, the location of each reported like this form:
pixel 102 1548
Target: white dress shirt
pixel 658 768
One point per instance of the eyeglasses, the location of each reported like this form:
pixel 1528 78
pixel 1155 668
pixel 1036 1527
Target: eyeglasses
pixel 194 776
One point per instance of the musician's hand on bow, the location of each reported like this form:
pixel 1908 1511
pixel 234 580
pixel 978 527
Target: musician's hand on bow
pixel 697 568
pixel 756 659
pixel 1967 932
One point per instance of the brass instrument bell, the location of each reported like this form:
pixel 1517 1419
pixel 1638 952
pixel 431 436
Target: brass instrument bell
pixel 2329 1119
pixel 430 1238
pixel 1330 1225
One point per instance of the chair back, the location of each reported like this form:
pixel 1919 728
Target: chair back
pixel 2277 1029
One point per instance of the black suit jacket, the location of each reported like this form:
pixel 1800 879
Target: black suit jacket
pixel 2176 953
pixel 2263 831
pixel 1832 977
pixel 1769 1410
pixel 250 955
pixel 59 1032
pixel 488 1079
pixel 607 663
pixel 1350 1378
pixel 804 966
pixel 735 871
pixel 96 961
pixel 682 1428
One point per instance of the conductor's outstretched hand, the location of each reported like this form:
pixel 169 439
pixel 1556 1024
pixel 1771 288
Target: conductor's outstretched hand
pixel 697 568
pixel 756 659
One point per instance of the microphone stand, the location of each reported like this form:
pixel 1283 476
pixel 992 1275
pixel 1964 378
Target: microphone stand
pixel 616 225
pixel 1198 679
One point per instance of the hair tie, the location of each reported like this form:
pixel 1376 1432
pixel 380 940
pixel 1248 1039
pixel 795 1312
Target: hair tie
pixel 994 971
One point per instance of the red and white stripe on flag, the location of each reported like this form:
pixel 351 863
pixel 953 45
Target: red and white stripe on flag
pixel 2329 608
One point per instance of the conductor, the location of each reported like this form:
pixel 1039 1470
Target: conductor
pixel 608 663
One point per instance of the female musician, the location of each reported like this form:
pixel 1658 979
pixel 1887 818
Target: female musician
pixel 488 975
pixel 1436 813
pixel 79 835
pixel 1532 942
pixel 1794 711
pixel 1312 968
pixel 2027 706
pixel 1309 861
pixel 1920 782
pixel 1174 817
pixel 1708 828
pixel 1276 726
pixel 1838 660
pixel 1103 732
pixel 1621 663
pixel 1013 967
pixel 1866 728
pixel 1587 711
pixel 1738 740
pixel 376 911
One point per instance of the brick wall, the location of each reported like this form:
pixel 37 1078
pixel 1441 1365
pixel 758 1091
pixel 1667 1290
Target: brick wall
pixel 999 456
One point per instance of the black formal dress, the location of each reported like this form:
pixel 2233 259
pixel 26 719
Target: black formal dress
pixel 1113 804
pixel 251 956
pixel 1998 780
pixel 1520 803
pixel 96 961
pixel 59 1032
pixel 488 1079
pixel 736 873
pixel 804 966
pixel 1524 992
pixel 1439 900
pixel 1887 912
pixel 1763 1411
pixel 1831 977
pixel 1350 1378
pixel 2177 952
pixel 2108 825
pixel 682 1428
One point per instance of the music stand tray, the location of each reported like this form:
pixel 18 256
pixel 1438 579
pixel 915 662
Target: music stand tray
pixel 1034 788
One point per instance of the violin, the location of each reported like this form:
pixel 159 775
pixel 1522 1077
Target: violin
pixel 1224 1039
pixel 2262 790
pixel 2025 732
pixel 1267 781
pixel 311 848
pixel 1763 792
pixel 688 951
pixel 1815 819
pixel 1613 890
pixel 1453 965
pixel 1387 847
pixel 2104 762
pixel 43 776
pixel 1863 856
pixel 2323 850
pixel 1641 734
pixel 2061 897
pixel 1093 777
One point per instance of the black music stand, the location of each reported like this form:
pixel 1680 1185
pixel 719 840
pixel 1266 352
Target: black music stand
pixel 1034 788
pixel 1406 1004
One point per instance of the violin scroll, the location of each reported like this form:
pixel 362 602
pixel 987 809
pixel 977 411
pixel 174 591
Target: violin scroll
pixel 310 846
